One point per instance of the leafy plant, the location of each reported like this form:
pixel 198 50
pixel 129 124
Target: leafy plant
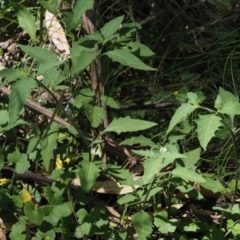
pixel 76 163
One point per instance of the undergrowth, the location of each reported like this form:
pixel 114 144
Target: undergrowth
pixel 119 120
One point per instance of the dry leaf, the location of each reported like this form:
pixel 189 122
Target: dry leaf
pixel 108 187
pixel 56 33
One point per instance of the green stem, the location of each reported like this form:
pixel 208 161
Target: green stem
pixel 236 163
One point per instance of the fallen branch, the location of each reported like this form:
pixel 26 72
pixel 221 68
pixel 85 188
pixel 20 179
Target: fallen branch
pixel 111 146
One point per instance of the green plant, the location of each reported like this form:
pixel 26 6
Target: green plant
pixel 73 142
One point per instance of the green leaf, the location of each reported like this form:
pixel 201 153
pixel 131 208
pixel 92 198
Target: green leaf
pixel 83 61
pixel 4 117
pixel 82 230
pixel 109 102
pixel 126 199
pixel 128 125
pixel 50 5
pixel 231 108
pixel 88 173
pixel 35 216
pixel 227 96
pixel 213 185
pixel 52 78
pixel 188 174
pixel 11 75
pixel 153 165
pixel 140 49
pixel 207 125
pixel 21 90
pixel 26 20
pixel 182 112
pixel 218 103
pixel 121 175
pixel 95 114
pixel 193 98
pixel 81 7
pixel 142 223
pixel 15 124
pixel 2 158
pixel 23 165
pixel 128 59
pixel 163 224
pixel 59 212
pixel 192 157
pixel 81 214
pixel 141 140
pixel 54 194
pixel 16 231
pixel 41 55
pixel 111 27
pixel 20 161
pixel 44 67
pixel 49 144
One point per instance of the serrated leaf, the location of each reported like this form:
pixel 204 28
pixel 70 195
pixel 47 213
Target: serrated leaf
pixel 207 125
pixel 49 144
pixel 35 216
pixel 43 67
pixel 128 59
pixel 26 20
pixel 52 78
pixel 230 108
pixel 88 173
pixel 227 96
pixel 40 54
pixel 140 49
pixel 192 157
pixel 141 140
pixel 50 5
pixel 73 20
pixel 95 114
pixel 11 75
pixel 213 185
pixel 109 102
pixel 182 112
pixel 111 27
pixel 142 223
pixel 83 61
pixel 188 174
pixel 21 90
pixel 193 98
pixel 163 224
pixel 128 125
pixel 152 166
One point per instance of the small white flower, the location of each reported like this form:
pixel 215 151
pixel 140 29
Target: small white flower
pixel 96 151
pixel 163 149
